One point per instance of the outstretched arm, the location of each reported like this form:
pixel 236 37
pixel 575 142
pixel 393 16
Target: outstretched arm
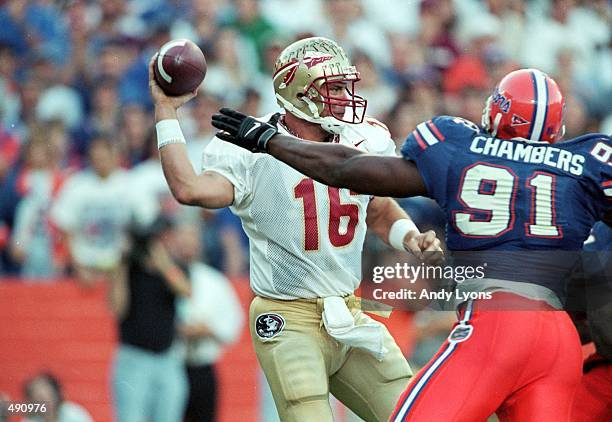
pixel 342 166
pixel 331 164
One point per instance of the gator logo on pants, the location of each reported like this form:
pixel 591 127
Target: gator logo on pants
pixel 460 333
pixel 269 325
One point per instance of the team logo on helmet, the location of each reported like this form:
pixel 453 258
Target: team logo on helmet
pixel 518 121
pixel 269 325
pixel 290 75
pixel 501 100
pixel 314 58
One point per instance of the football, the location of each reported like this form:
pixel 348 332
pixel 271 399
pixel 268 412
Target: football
pixel 180 67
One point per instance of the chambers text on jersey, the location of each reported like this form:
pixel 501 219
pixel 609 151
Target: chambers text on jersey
pixel 529 153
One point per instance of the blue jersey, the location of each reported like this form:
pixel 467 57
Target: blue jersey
pixel 512 195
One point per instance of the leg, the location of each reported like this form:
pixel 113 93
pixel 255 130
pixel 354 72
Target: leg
pixel 171 388
pixel 294 363
pixel 548 392
pixel 131 384
pixel 368 387
pixel 593 399
pixel 469 377
pixel 202 394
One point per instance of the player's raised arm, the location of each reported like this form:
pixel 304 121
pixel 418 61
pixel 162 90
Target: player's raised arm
pixel 332 164
pixel 209 190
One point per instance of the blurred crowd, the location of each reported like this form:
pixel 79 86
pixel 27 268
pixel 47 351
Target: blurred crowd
pixel 78 162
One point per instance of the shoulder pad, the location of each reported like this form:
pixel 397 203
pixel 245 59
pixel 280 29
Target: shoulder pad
pixel 371 136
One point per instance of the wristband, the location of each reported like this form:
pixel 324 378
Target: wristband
pixel 169 132
pixel 398 231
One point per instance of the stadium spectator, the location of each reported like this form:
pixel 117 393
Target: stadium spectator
pixel 36 244
pixel 549 32
pixel 9 98
pixel 226 244
pixel 381 96
pixel 295 16
pixel 203 107
pixel 103 117
pixel 200 24
pixel 5 400
pixel 234 67
pixel 345 22
pixel 249 22
pixel 92 210
pixel 209 321
pixel 147 183
pixel 45 388
pixel 134 133
pixel 29 94
pixel 149 379
pixel 404 116
pixel 9 151
pixel 436 35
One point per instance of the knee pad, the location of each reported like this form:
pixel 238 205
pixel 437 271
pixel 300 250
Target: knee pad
pixel 300 370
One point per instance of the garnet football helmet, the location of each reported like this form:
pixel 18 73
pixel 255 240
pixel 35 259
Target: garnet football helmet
pixel 528 104
pixel 302 75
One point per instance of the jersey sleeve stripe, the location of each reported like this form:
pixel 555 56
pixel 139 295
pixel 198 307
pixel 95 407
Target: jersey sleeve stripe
pixel 607 183
pixel 427 135
pixel 435 131
pixel 608 192
pixel 419 139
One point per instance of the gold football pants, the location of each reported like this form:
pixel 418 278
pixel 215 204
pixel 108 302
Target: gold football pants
pixel 303 364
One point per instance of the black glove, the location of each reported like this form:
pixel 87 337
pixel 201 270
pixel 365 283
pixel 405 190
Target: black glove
pixel 245 131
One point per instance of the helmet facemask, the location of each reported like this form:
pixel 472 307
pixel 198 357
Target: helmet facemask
pixel 352 105
pixel 486 123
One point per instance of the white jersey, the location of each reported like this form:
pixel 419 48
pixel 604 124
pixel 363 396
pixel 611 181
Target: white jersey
pixel 93 211
pixel 305 238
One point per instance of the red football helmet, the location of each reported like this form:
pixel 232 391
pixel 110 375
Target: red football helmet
pixel 528 104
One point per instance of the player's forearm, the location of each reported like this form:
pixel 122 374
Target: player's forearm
pixel 177 168
pixel 341 166
pixel 176 280
pixel 382 214
pixel 179 173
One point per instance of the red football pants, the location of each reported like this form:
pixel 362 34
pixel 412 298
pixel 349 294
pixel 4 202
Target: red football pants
pixel 524 365
pixel 593 401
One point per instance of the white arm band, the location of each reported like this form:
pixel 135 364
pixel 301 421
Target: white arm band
pixel 398 231
pixel 169 132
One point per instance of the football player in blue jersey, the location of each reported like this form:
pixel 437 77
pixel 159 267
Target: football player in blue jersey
pixel 515 195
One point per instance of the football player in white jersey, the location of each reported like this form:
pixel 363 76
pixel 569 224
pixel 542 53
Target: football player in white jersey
pixel 306 239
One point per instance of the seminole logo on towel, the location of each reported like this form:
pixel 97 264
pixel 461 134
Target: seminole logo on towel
pixel 269 325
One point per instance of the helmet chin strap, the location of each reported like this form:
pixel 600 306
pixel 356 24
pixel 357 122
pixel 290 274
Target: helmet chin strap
pixel 328 124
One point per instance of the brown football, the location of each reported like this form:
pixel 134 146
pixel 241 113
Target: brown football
pixel 180 67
